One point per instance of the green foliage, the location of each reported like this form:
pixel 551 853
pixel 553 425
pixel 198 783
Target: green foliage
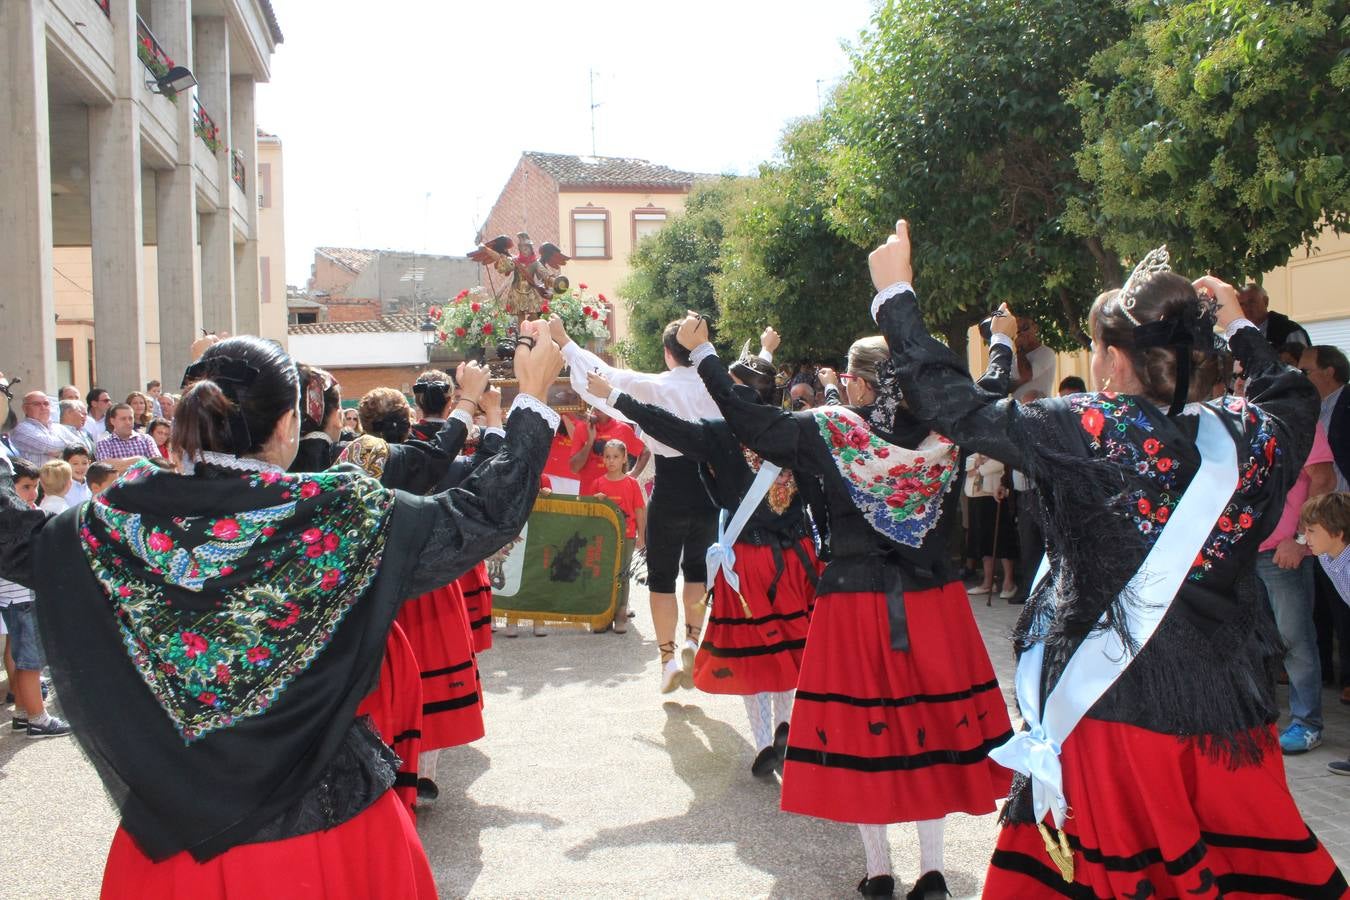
pixel 955 117
pixel 1221 128
pixel 783 265
pixel 672 271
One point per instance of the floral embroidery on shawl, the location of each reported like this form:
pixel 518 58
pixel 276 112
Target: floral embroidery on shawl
pixel 269 586
pixel 1120 430
pixel 898 490
pixel 783 489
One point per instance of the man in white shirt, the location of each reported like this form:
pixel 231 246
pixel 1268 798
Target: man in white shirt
pixel 1035 361
pixel 96 403
pixel 36 439
pixel 681 519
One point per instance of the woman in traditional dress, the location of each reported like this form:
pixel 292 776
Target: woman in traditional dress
pixel 1147 656
pixel 897 704
pixel 763 593
pixel 436 623
pixel 212 635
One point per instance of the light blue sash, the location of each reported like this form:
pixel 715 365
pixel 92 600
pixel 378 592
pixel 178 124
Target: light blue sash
pixel 722 554
pixel 1102 657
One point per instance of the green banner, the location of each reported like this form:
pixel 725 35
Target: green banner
pixel 564 566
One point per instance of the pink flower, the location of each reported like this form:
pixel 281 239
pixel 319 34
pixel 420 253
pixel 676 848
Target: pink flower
pixel 460 332
pixel 268 530
pixel 115 534
pixel 312 536
pixel 1245 521
pixel 207 697
pixel 602 299
pixel 331 542
pixel 1144 506
pixel 1151 446
pixel 1225 524
pixel 543 309
pixel 896 499
pixel 582 285
pixel 194 644
pixel 258 654
pixel 314 551
pixel 123 591
pixel 160 542
pixel 227 570
pixel 585 310
pixel 270 477
pixel 857 438
pixel 222 673
pixel 225 529
pixel 309 489
pixel 487 329
pixel 330 579
pixel 475 307
pixel 1164 465
pixel 1093 421
pixel 1162 514
pixel 881 453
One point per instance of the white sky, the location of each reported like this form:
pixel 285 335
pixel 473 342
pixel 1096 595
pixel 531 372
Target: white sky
pixel 402 119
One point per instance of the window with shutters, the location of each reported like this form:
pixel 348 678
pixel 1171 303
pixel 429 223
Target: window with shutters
pixel 647 221
pixel 590 233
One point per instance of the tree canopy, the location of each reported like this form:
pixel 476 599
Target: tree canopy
pixel 1221 129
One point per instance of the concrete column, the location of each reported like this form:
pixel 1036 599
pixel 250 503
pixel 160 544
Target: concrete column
pixel 211 65
pixel 115 215
pixel 27 311
pixel 244 138
pixel 180 300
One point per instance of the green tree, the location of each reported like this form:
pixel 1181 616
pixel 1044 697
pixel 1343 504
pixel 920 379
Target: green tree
pixel 1221 129
pixel 672 270
pixel 955 117
pixel 783 265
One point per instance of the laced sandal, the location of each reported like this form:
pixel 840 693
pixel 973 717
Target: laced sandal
pixel 671 673
pixel 687 654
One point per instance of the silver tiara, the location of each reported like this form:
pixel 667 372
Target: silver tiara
pixel 1152 264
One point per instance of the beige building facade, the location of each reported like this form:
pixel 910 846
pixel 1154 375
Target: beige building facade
pixel 141 203
pixel 596 208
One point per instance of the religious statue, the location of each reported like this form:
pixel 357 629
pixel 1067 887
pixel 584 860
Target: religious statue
pixel 535 277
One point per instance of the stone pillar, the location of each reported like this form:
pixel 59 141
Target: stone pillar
pixel 211 65
pixel 115 215
pixel 27 311
pixel 180 300
pixel 244 138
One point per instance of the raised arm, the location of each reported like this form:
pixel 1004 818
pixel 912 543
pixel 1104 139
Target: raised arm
pixel 997 379
pixel 466 524
pixel 690 438
pixel 935 382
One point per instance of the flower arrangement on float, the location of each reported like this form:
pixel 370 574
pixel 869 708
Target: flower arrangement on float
pixel 471 320
pixel 584 316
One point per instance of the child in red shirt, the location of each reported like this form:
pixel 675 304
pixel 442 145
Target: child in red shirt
pixel 627 494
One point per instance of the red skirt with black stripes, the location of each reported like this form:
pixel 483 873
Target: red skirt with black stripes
pixel 1156 816
pixel 880 735
pixel 758 646
pixel 477 590
pixel 395 709
pixel 438 630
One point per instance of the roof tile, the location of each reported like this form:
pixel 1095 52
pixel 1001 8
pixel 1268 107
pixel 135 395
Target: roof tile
pixel 610 171
pixel 382 325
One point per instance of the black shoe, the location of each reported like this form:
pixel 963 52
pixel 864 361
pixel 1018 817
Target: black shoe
pixel 932 886
pixel 766 761
pixel 427 790
pixel 54 728
pixel 19 723
pixel 780 745
pixel 881 886
pixel 9 698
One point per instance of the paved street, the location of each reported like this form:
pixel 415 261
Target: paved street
pixel 587 784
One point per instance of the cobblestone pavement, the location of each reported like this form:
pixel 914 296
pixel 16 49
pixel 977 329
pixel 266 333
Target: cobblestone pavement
pixel 589 783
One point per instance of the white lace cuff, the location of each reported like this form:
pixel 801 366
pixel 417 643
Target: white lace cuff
pixel 527 401
pixel 1000 338
pixel 463 416
pixel 1235 326
pixel 701 352
pixel 887 293
pixel 492 429
pixel 614 395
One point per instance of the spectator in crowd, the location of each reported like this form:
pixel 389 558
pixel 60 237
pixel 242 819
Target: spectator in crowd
pixel 802 396
pixel 1035 362
pixel 20 618
pixel 1290 352
pixel 993 529
pixel 351 424
pixel 96 404
pixel 1286 569
pixel 159 432
pixel 100 477
pixel 69 392
pixel 167 404
pixel 1072 384
pixel 79 459
pixel 1278 328
pixel 1325 521
pixel 1328 370
pixel 385 414
pixel 141 409
pixel 55 478
pixel 594 432
pixel 73 419
pixel 153 390
pixel 35 438
pixel 617 483
pixel 122 442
